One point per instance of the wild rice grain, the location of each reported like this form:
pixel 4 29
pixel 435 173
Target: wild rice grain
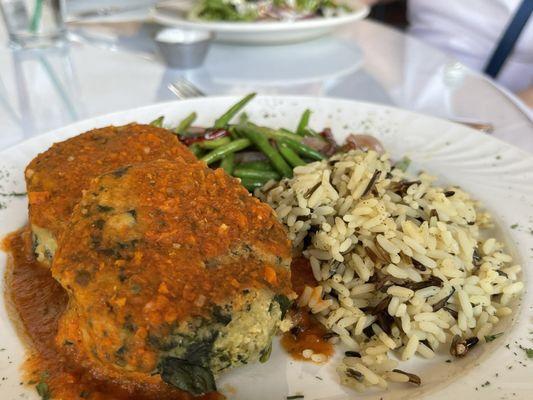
pixel 396 377
pixel 370 376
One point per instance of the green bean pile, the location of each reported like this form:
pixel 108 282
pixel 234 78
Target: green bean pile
pixel 280 150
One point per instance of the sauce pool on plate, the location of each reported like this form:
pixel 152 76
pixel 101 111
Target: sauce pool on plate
pixel 37 302
pixel 307 333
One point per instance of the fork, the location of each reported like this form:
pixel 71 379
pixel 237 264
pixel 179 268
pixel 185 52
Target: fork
pixel 184 89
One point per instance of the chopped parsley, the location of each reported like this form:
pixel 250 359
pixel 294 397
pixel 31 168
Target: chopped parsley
pixel 13 194
pixel 403 164
pixel 42 387
pixel 296 396
pixel 490 338
pixel 529 352
pixel 43 390
pixel 514 226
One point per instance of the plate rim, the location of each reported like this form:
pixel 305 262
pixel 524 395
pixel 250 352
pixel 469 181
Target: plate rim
pixel 235 97
pixel 521 312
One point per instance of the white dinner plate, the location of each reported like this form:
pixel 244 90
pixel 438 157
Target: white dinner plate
pixel 498 174
pixel 173 13
pixel 108 11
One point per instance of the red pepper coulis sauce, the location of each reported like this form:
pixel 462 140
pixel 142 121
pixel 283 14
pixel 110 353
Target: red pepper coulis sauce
pixel 307 333
pixel 38 301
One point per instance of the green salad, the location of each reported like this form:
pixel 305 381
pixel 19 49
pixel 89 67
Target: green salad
pixel 265 10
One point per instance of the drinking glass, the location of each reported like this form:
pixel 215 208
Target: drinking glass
pixel 34 23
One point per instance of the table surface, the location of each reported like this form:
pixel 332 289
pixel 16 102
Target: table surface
pixel 115 66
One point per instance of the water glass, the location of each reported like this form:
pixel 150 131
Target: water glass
pixel 34 23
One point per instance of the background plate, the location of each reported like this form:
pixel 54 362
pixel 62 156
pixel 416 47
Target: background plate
pixel 498 174
pixel 172 13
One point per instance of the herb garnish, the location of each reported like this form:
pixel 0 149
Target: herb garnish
pixel 403 164
pixel 296 396
pixel 13 194
pixel 514 226
pixel 490 338
pixel 42 387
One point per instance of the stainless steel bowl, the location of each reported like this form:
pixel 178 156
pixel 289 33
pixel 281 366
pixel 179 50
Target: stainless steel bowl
pixel 183 49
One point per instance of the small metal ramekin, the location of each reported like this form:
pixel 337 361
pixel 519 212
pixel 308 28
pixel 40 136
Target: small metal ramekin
pixel 183 49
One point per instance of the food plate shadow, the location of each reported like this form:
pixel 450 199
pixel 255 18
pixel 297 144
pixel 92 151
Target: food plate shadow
pixel 283 66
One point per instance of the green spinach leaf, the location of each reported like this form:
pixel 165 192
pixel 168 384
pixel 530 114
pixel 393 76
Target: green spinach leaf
pixel 265 354
pixel 189 377
pixel 284 303
pixel 199 352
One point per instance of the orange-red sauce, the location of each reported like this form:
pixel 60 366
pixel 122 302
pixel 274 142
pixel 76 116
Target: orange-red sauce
pixel 301 274
pixel 38 301
pixel 57 177
pixel 307 333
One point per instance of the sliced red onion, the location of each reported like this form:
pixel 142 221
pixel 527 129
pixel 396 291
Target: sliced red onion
pixel 315 142
pixel 363 142
pixel 201 137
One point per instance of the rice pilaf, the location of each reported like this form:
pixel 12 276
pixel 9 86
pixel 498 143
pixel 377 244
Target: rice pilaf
pixel 401 265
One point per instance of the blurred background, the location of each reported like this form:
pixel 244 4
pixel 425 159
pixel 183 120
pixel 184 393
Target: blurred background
pixel 471 31
pixel 467 61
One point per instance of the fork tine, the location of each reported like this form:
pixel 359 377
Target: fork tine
pixel 198 91
pixel 174 89
pixel 192 88
pixel 184 89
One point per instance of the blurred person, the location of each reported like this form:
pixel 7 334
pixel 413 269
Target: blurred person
pixel 494 36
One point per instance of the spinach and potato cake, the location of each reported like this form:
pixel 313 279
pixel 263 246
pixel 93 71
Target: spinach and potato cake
pixel 174 273
pixel 56 178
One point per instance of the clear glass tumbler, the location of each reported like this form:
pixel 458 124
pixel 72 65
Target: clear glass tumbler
pixel 34 23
